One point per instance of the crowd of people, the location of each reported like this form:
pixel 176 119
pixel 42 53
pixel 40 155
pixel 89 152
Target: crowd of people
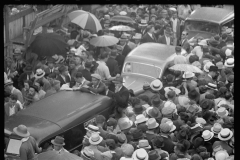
pixel 183 115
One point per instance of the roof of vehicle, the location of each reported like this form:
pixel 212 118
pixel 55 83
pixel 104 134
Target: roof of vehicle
pixel 59 111
pixel 154 52
pixel 211 14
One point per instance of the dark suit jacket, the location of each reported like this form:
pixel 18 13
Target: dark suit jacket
pixel 109 94
pixel 47 71
pixel 120 59
pixel 113 66
pixel 21 80
pixel 147 38
pixel 163 40
pixel 122 97
pixel 185 45
pixel 126 50
pixel 221 44
pixel 62 81
pixel 87 75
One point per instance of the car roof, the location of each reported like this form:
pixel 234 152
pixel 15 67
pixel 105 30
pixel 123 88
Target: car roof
pixel 58 112
pixel 211 14
pixel 152 52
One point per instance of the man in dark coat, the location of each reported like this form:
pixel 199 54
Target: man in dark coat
pixel 112 63
pixel 223 41
pixel 120 58
pixel 184 41
pixel 149 35
pixel 166 38
pixel 27 75
pixel 121 94
pixel 123 42
pixel 64 76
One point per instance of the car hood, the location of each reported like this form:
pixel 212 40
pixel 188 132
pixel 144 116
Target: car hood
pixel 205 35
pixel 135 82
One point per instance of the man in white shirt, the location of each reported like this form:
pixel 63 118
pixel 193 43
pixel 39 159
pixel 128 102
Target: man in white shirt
pixel 175 27
pixel 83 47
pixel 166 38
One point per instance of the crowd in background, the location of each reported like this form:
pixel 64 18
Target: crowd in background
pixel 183 115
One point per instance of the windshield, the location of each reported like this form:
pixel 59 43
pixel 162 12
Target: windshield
pixel 202 26
pixel 143 69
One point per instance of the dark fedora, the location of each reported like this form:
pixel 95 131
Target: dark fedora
pixel 213 42
pixel 34 87
pixel 28 69
pixel 88 64
pixel 156 100
pixel 58 141
pixel 213 69
pixel 137 134
pixel 138 109
pixel 182 134
pixel 118 79
pixel 153 155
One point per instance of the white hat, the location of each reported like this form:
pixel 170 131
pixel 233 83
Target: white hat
pixel 207 66
pixel 228 52
pixel 87 152
pixel 92 128
pixel 221 155
pixel 123 13
pixel 221 112
pixel 95 139
pixel 207 135
pixel 188 74
pixel 225 134
pixel 200 120
pixel 140 154
pixel 173 9
pixel 229 62
pixel 176 90
pixel 170 104
pixel 203 42
pixel 39 73
pixel 152 123
pixel 140 119
pixel 217 127
pixel 143 22
pixel 73 50
pixel 137 36
pixel 172 126
pixel 211 86
pixel 156 85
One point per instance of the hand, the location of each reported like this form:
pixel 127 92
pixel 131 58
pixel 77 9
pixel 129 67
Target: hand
pixel 118 75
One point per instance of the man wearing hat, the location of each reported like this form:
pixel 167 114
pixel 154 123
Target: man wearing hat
pixel 184 41
pixel 27 75
pixel 29 145
pixel 123 42
pixel 137 38
pixel 127 151
pixel 58 144
pixel 167 38
pixel 112 63
pixel 39 76
pixel 11 107
pixel 143 26
pixel 94 141
pixel 168 143
pixel 9 88
pixel 63 76
pixel 153 129
pixel 50 68
pixel 19 63
pixel 147 91
pixel 149 36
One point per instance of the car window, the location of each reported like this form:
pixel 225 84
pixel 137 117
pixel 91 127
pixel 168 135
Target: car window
pixel 143 69
pixel 202 26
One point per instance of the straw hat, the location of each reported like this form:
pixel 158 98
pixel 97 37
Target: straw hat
pixel 207 66
pixel 153 112
pixel 39 73
pixel 87 153
pixel 207 135
pixel 8 82
pixel 143 23
pixel 127 149
pixel 124 123
pixel 140 119
pixel 225 134
pixel 143 143
pixel 152 123
pixel 165 128
pixel 216 128
pixel 229 62
pixel 188 74
pixel 21 131
pixel 123 38
pixel 140 154
pixel 95 139
pixel 203 42
pixel 156 85
pixel 221 155
pixel 221 112
pixel 228 52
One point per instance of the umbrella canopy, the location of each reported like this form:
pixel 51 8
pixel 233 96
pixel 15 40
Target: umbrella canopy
pixel 53 155
pixel 121 28
pixel 104 41
pixel 85 20
pixel 186 67
pixel 49 44
pixel 124 19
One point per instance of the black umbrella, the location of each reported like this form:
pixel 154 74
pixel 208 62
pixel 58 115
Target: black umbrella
pixel 49 44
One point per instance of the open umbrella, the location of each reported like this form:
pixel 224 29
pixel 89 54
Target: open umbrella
pixel 49 44
pixel 124 19
pixel 186 67
pixel 85 20
pixel 104 41
pixel 53 155
pixel 121 28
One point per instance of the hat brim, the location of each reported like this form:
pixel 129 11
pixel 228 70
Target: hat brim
pixel 223 115
pixel 156 89
pixel 157 124
pixel 214 131
pixel 97 142
pixel 226 65
pixel 7 84
pixel 52 141
pixel 225 139
pixel 37 77
pixel 148 147
pixel 210 87
pixel 20 134
pixel 173 128
pixel 212 134
pixel 134 156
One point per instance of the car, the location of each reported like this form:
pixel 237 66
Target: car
pixel 145 63
pixel 65 113
pixel 208 21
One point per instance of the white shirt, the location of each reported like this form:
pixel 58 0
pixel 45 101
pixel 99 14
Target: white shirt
pixel 150 34
pixel 20 104
pixel 11 110
pixel 103 70
pixel 167 40
pixel 174 24
pixel 80 49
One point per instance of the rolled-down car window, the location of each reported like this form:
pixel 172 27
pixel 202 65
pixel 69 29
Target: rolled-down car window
pixel 143 69
pixel 202 26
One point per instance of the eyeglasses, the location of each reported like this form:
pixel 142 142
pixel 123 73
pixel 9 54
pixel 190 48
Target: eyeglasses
pixel 183 34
